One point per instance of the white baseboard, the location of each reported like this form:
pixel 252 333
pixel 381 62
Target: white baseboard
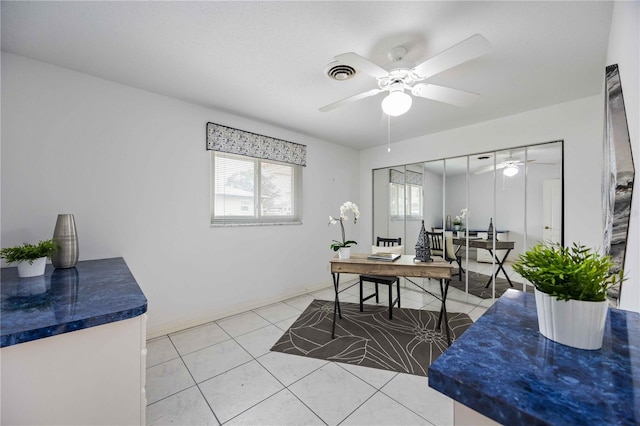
pixel 175 326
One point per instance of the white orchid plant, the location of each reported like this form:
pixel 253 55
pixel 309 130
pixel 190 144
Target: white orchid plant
pixel 337 245
pixel 460 219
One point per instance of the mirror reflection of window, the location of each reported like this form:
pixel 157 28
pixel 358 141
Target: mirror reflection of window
pixel 415 201
pixel 396 194
pixel 396 201
pixel 413 190
pixel 405 194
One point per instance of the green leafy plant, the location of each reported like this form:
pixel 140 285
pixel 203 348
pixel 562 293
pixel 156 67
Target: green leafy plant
pixel 575 272
pixel 28 252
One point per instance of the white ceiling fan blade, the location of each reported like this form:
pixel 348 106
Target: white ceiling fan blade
pixel 444 94
pixel 350 99
pixel 466 50
pixel 362 64
pixel 488 168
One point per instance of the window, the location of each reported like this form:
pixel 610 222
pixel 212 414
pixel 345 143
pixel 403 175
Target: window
pixel 255 179
pixel 396 201
pixel 405 195
pixel 414 203
pixel 248 190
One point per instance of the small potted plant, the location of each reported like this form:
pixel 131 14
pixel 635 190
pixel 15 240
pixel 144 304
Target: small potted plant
pixel 344 247
pixel 571 292
pixel 458 222
pixel 29 258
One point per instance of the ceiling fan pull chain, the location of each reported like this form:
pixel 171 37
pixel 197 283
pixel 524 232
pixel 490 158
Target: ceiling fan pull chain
pixel 388 133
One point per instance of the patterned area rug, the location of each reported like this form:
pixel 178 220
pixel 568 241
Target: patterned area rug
pixel 478 281
pixel 408 343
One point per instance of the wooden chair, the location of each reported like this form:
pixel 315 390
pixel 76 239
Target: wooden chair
pixel 380 279
pixel 444 247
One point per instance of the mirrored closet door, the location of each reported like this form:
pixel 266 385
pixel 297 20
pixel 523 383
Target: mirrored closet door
pixel 514 195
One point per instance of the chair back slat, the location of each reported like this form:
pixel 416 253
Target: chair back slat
pixel 436 240
pixel 388 242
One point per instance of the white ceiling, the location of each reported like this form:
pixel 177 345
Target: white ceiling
pixel 266 60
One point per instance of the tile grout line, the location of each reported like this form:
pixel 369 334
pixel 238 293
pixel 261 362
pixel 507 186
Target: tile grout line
pixel 252 357
pixel 194 379
pixel 284 387
pixel 408 408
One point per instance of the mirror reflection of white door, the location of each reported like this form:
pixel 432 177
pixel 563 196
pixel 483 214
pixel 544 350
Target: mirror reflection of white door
pixel 552 210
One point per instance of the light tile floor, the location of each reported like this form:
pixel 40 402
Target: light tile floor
pixel 224 373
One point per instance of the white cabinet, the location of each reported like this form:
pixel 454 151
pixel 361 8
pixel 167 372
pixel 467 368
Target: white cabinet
pixel 485 255
pixel 94 376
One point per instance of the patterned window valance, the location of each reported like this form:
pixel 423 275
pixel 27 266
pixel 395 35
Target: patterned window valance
pixel 234 141
pixel 413 178
pixel 396 177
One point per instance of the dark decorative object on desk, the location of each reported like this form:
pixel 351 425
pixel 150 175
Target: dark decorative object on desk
pixel 66 239
pixel 423 251
pixel 490 233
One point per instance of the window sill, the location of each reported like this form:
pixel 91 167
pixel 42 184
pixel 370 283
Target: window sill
pixel 231 225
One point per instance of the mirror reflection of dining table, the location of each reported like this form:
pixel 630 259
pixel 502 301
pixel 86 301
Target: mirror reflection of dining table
pixel 491 246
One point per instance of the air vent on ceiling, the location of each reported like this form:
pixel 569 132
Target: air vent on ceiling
pixel 340 72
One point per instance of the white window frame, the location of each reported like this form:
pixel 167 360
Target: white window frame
pixel 295 218
pixel 409 195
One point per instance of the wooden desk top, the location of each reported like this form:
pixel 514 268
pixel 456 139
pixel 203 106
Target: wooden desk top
pixel 402 267
pixel 484 244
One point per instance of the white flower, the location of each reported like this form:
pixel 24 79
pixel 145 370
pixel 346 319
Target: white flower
pixel 348 205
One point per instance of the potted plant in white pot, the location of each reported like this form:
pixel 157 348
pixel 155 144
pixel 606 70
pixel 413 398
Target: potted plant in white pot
pixel 344 247
pixel 29 258
pixel 571 292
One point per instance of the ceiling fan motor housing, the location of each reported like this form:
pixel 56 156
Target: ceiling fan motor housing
pixel 400 75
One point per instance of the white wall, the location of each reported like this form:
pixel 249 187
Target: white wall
pixel 624 48
pixel 578 123
pixel 508 195
pixel 133 169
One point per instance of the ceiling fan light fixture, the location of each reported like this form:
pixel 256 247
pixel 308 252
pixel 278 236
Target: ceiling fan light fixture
pixel 510 170
pixel 396 103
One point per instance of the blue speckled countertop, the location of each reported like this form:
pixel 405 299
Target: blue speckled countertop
pixel 93 293
pixel 504 368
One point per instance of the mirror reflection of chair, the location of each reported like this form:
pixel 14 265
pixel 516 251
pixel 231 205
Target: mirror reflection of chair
pixel 389 245
pixel 450 254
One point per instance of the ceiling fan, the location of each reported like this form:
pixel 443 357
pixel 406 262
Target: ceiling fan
pixel 401 75
pixel 510 166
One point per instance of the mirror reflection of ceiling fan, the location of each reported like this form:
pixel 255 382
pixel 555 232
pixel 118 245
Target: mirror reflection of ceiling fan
pixel 510 166
pixel 400 76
